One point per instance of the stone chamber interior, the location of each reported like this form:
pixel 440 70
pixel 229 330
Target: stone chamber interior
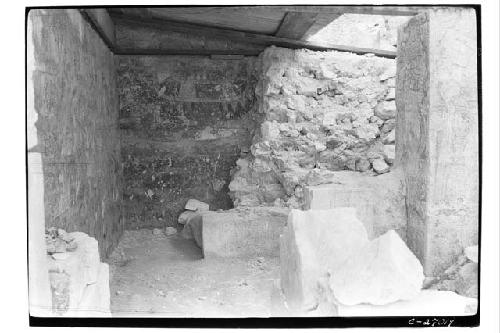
pixel 192 185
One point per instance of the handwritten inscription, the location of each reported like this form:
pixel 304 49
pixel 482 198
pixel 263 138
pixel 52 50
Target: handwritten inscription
pixel 431 322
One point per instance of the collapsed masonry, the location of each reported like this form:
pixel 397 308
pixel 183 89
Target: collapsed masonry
pixel 79 281
pixel 323 112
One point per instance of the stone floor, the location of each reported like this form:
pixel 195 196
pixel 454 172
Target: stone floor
pixel 166 276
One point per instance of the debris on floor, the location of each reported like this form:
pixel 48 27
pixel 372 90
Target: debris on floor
pixel 462 276
pixel 328 269
pixel 168 277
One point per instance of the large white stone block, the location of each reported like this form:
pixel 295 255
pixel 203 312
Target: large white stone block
pixel 313 243
pixel 382 272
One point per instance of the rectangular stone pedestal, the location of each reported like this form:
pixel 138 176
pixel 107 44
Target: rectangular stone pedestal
pixel 243 232
pixel 379 200
pixel 437 133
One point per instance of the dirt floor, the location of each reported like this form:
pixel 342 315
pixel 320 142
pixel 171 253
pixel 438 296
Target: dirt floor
pixel 166 276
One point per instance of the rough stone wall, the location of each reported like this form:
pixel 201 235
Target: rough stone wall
pixel 77 106
pixel 324 112
pixel 184 122
pixel 438 142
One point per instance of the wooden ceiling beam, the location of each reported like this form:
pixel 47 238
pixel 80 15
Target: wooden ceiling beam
pixel 295 25
pixel 331 9
pixel 239 36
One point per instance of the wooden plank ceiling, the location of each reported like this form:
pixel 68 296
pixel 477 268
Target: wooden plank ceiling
pixel 232 29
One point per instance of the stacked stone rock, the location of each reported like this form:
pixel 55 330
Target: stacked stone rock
pixel 323 112
pixel 79 280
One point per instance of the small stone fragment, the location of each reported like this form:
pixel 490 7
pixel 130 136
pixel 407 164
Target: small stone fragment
pixel 380 166
pixel 386 110
pixel 196 205
pixel 170 231
pixel 382 272
pixel 390 138
pixel 185 216
pixel 71 246
pixel 62 234
pixel 471 253
pixel 156 231
pixel 363 164
pixel 55 245
pixel 351 164
pixel 391 95
pixel 389 125
pixel 389 153
pixel 60 256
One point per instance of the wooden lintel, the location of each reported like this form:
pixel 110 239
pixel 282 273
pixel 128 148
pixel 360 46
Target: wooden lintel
pixel 367 10
pixel 295 25
pixel 243 37
pixel 205 52
pixel 325 9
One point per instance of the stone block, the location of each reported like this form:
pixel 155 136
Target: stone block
pixel 472 253
pixel 428 303
pixel 389 153
pixel 85 278
pixel 438 133
pixel 382 272
pixel 196 205
pixel 186 216
pixel 390 138
pixel 95 301
pixel 386 110
pixel 193 229
pixel 243 232
pixel 380 166
pixel 81 266
pixel 314 243
pixel 379 201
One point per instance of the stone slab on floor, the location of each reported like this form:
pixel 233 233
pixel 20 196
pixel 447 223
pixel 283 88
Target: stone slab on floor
pixel 379 200
pixel 314 243
pixel 427 303
pixel 243 232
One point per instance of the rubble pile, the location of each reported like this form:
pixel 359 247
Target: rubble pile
pixel 79 280
pixel 323 112
pixel 329 267
pixel 462 276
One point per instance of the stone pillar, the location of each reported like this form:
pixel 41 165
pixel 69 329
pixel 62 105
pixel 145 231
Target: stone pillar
pixel 437 133
pixel 40 297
